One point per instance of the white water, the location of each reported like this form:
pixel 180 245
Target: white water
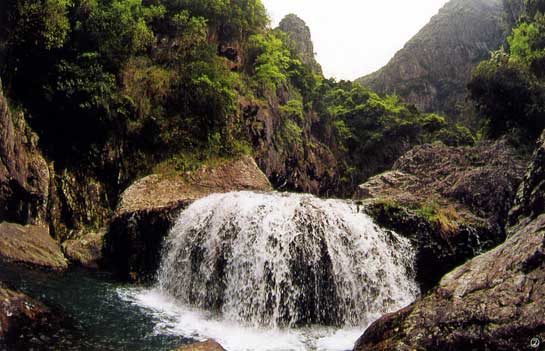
pixel 260 271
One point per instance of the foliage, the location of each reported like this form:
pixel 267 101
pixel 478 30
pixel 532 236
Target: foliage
pixel 140 74
pixel 271 60
pixel 371 131
pixel 508 89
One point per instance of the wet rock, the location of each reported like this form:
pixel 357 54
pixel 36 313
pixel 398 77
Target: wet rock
pixel 86 250
pixel 25 323
pixel 209 345
pixel 30 245
pixel 148 208
pixel 494 302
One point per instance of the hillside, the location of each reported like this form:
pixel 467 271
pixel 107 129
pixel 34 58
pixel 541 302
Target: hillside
pixel 433 68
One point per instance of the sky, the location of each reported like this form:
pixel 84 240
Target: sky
pixel 355 37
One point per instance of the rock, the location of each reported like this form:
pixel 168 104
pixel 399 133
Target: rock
pixel 24 174
pixel 148 208
pixel 450 201
pixel 78 204
pixel 87 250
pixel 434 67
pixel 30 245
pixel 17 313
pixel 304 165
pixel 209 345
pixel 299 33
pixel 494 302
pixel 530 201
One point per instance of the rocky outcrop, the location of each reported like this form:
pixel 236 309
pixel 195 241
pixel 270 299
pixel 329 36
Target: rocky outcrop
pixel 24 174
pixel 530 201
pixel 434 67
pixel 86 250
pixel 33 192
pixel 149 207
pixel 494 302
pixel 299 163
pixel 451 202
pixel 301 39
pixel 30 245
pixel 21 318
pixel 209 345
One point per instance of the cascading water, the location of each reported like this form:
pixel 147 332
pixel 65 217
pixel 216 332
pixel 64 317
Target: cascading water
pixel 286 260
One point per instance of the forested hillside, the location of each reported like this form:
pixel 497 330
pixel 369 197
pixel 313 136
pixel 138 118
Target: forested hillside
pixel 120 89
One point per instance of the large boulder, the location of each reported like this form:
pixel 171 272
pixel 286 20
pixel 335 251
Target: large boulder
pixel 452 202
pixel 24 174
pixel 494 302
pixel 30 245
pixel 20 315
pixel 149 207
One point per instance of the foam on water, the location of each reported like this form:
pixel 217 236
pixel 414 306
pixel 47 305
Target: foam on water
pixel 178 320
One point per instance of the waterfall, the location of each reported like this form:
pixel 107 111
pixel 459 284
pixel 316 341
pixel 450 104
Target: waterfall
pixel 286 260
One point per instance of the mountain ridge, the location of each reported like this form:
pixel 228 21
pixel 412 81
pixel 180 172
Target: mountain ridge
pixel 433 68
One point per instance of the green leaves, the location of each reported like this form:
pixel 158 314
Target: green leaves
pixel 508 89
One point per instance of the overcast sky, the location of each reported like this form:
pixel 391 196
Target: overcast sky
pixel 356 37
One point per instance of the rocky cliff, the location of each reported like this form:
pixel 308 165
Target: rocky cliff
pixel 299 33
pixel 433 68
pixel 24 174
pixel 493 302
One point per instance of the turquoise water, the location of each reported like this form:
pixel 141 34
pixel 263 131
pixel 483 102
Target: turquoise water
pixel 98 318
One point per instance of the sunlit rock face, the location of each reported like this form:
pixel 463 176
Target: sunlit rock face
pixel 434 67
pixel 300 36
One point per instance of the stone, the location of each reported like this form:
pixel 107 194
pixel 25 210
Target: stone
pixel 30 245
pixel 26 323
pixel 86 250
pixel 209 345
pixel 148 208
pixel 24 173
pixel 496 301
pixel 299 33
pixel 451 202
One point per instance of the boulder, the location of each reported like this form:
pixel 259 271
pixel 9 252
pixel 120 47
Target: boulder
pixel 494 302
pixel 17 311
pixel 86 250
pixel 26 323
pixel 149 207
pixel 452 202
pixel 30 245
pixel 209 345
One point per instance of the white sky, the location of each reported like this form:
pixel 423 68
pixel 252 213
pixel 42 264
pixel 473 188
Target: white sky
pixel 355 37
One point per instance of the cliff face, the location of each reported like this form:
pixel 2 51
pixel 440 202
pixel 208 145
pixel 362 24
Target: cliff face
pixel 24 174
pixel 299 33
pixel 433 68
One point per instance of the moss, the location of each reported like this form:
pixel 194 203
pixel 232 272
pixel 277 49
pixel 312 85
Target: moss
pixel 446 218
